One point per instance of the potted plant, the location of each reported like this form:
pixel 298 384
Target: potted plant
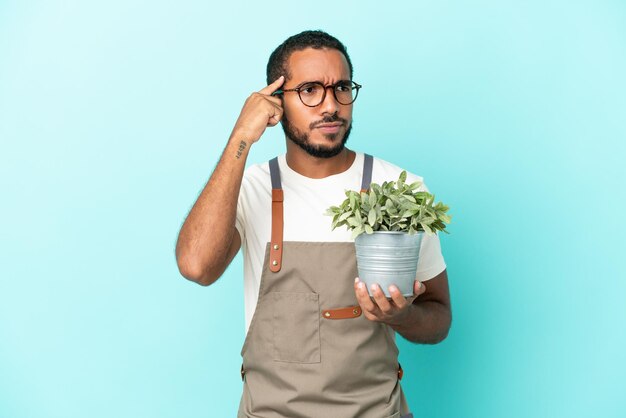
pixel 387 224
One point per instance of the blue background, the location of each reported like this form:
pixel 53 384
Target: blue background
pixel 113 115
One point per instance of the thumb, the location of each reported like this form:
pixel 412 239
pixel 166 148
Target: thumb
pixel 419 288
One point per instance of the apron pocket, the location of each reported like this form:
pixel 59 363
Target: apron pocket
pixel 296 324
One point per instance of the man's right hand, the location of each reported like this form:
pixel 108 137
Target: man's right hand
pixel 259 111
pixel 208 239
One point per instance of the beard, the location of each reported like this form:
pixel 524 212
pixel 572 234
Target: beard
pixel 320 151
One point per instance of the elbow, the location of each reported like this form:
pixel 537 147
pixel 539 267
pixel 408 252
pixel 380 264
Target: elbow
pixel 443 331
pixel 431 339
pixel 196 272
pixel 440 337
pixel 440 332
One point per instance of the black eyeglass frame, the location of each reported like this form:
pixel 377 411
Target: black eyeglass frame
pixel 355 86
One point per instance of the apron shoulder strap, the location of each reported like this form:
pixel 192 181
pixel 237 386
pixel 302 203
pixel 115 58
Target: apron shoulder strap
pixel 275 173
pixel 276 244
pixel 368 163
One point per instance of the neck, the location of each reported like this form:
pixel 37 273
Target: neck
pixel 317 168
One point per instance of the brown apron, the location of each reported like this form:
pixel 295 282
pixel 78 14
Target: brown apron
pixel 309 352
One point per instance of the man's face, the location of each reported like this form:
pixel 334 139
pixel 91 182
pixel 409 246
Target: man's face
pixel 323 130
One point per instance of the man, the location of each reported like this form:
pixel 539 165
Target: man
pixel 309 352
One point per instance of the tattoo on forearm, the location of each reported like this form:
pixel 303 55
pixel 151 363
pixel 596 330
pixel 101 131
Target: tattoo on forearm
pixel 242 146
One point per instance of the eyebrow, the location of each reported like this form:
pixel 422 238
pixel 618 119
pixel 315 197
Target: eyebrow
pixel 318 81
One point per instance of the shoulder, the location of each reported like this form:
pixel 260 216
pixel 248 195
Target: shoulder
pixel 386 171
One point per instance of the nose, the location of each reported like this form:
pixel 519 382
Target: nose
pixel 330 104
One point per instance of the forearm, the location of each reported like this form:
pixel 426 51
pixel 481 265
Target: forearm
pixel 208 240
pixel 207 233
pixel 427 322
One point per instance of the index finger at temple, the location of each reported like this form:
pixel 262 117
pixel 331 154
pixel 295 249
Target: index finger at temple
pixel 267 90
pixel 276 100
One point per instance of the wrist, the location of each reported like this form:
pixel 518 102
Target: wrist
pixel 238 146
pixel 242 134
pixel 405 323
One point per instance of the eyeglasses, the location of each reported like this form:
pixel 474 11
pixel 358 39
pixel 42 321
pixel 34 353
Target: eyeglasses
pixel 313 93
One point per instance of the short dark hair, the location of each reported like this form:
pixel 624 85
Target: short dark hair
pixel 317 39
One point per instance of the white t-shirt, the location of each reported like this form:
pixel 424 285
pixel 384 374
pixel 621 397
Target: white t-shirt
pixel 305 203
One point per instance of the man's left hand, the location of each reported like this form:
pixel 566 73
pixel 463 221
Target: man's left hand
pixel 378 308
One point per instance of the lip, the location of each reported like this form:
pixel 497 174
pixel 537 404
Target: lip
pixel 329 127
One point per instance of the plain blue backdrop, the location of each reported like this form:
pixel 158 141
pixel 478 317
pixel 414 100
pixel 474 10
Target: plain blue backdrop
pixel 114 113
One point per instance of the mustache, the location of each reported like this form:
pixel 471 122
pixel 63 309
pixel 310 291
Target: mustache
pixel 329 119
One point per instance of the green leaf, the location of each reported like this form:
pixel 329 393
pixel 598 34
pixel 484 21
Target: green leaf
pixel 428 220
pixel 352 201
pixel 407 205
pixel 440 206
pixel 415 185
pixel 402 179
pixel 368 229
pixel 372 198
pixel 356 232
pixel 371 217
pixel 409 213
pixel 353 221
pixel 421 195
pixel 345 216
